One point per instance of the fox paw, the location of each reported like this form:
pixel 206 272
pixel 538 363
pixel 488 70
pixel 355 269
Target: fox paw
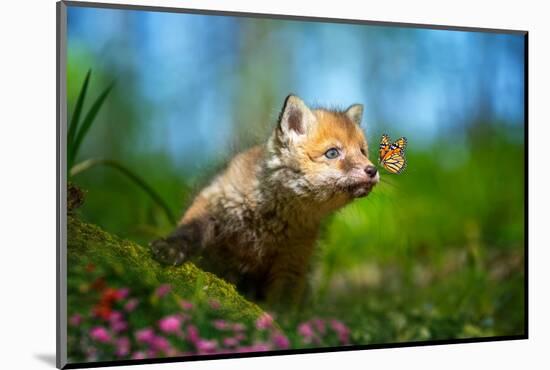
pixel 168 252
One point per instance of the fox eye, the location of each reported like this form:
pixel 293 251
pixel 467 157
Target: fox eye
pixel 364 152
pixel 332 153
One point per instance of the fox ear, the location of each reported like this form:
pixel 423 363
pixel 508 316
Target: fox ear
pixel 296 119
pixel 355 113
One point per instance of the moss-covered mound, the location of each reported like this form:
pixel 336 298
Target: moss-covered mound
pixel 88 245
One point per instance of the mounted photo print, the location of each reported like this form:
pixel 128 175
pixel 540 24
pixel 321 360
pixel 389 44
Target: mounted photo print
pixel 234 184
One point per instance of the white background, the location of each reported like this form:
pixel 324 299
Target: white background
pixel 27 180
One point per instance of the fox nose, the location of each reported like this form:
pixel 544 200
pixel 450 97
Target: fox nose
pixel 371 170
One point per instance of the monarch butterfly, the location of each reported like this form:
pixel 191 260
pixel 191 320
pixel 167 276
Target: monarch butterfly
pixel 392 156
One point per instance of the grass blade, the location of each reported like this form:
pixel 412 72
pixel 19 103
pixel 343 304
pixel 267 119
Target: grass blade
pixel 73 126
pixel 87 121
pixel 136 179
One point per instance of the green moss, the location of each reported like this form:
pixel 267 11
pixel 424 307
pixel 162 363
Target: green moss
pixel 133 263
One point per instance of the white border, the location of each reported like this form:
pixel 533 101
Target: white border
pixel 28 203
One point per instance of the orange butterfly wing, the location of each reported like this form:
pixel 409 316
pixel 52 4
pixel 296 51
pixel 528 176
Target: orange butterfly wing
pixel 393 156
pixel 384 146
pixel 395 163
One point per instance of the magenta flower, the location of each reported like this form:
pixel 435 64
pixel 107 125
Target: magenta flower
pixel 239 327
pixel 119 326
pixel 260 347
pixel 170 324
pixel 265 321
pixel 220 324
pixel 230 342
pixel 240 336
pixel 306 331
pixel 160 344
pixel 115 316
pixel 139 355
pixel 116 321
pixel 186 305
pixel 281 341
pixel 122 347
pixel 75 320
pixel 192 334
pixel 341 330
pixel 145 335
pixel 163 290
pixel 206 346
pixel 123 293
pixel 100 334
pixel 319 325
pixel 131 305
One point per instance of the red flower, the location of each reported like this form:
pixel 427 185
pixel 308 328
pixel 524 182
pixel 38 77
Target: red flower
pixel 103 311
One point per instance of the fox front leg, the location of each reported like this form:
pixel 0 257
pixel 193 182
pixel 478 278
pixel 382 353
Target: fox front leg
pixel 179 246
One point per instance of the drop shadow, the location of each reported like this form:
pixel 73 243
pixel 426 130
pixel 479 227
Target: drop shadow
pixel 48 358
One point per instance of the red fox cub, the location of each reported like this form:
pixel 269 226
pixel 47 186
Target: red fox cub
pixel 256 223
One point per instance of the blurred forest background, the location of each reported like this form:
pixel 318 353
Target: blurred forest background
pixel 434 253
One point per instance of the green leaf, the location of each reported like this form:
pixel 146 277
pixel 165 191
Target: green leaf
pixel 73 126
pixel 87 122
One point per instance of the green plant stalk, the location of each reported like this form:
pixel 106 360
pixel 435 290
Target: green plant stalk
pixel 90 163
pixel 78 107
pixel 87 123
pixel 75 119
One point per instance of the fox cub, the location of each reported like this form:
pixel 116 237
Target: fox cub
pixel 256 223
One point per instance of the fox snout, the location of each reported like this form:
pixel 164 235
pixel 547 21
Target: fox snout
pixel 372 173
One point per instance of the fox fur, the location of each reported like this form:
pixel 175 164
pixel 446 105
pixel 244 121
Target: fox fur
pixel 257 222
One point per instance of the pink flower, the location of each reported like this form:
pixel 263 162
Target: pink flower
pixel 75 320
pixel 281 341
pixel 163 290
pixel 123 293
pixel 220 324
pixel 161 344
pixel 119 326
pixel 265 321
pixel 206 346
pixel 186 305
pixel 131 305
pixel 240 336
pixel 115 316
pixel 139 355
pixel 230 342
pixel 100 334
pixel 342 330
pixel 239 327
pixel 305 330
pixel 319 325
pixel 260 347
pixel 122 347
pixel 170 324
pixel 116 320
pixel 214 304
pixel 145 335
pixel 192 334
